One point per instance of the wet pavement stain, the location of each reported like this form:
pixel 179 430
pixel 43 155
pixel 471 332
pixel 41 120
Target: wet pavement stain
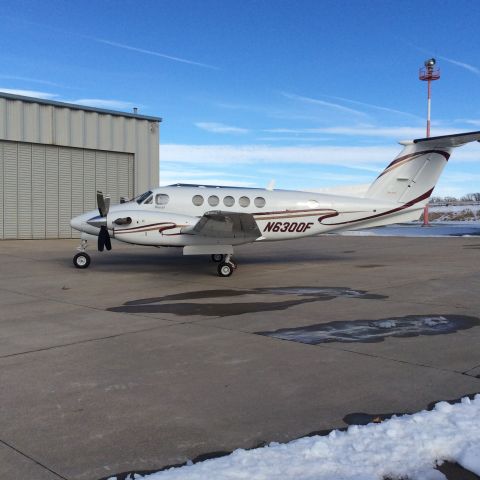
pixel 372 331
pixel 373 265
pixel 181 304
pixel 454 471
pixel 360 418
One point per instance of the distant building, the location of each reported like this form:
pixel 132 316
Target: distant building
pixel 54 157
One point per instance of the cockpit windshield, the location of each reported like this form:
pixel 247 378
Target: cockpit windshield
pixel 144 196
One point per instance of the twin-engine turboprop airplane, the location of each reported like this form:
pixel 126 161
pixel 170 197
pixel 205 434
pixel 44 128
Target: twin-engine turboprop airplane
pixel 211 220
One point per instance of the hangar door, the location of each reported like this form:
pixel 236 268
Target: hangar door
pixel 42 187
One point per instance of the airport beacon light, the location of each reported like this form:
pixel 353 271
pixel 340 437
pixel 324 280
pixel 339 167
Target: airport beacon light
pixel 428 74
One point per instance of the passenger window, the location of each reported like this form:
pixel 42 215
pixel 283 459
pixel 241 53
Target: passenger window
pixel 259 202
pixel 197 200
pixel 162 199
pixel 244 201
pixel 229 201
pixel 213 200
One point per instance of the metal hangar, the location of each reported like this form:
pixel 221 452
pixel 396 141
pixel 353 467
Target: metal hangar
pixel 54 156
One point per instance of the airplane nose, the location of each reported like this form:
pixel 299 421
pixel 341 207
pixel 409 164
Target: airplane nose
pixel 77 223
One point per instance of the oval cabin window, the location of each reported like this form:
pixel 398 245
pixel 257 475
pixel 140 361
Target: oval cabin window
pixel 162 199
pixel 197 200
pixel 213 200
pixel 229 201
pixel 259 202
pixel 244 201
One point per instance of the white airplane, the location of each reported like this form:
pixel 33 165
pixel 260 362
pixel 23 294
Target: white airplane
pixel 211 220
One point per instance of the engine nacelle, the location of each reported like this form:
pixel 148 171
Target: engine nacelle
pixel 147 228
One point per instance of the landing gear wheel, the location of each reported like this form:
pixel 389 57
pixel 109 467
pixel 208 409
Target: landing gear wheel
pixel 225 269
pixel 81 260
pixel 218 257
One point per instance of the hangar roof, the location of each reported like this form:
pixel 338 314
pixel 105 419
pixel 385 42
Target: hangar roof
pixel 75 106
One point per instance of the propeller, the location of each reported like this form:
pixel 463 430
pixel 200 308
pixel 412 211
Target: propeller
pixel 104 239
pixel 103 208
pixel 103 204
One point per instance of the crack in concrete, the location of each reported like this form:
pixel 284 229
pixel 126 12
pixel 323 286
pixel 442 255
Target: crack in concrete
pixel 34 460
pixel 89 340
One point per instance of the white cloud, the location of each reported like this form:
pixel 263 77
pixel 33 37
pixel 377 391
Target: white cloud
pixel 464 65
pixel 375 107
pixel 152 52
pixel 474 122
pixel 294 138
pixel 458 63
pixel 104 103
pixel 323 103
pixel 29 93
pixel 399 133
pixel 180 178
pixel 27 79
pixel 365 158
pixel 215 127
pixel 90 102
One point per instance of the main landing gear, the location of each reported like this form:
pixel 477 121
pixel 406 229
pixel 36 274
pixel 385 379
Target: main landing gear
pixel 226 265
pixel 82 259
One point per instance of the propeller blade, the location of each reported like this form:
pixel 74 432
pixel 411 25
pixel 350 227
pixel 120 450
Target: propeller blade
pixel 104 239
pixel 103 204
pixel 108 243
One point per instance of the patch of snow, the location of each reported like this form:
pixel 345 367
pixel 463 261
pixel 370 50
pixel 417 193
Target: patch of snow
pixel 406 446
pixel 434 321
pixel 386 324
pixel 470 459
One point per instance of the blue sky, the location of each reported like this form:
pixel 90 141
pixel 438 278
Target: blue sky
pixel 313 94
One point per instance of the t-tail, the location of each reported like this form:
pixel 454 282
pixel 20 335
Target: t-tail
pixel 412 176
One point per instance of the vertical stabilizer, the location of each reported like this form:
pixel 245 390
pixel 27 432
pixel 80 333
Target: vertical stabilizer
pixel 413 174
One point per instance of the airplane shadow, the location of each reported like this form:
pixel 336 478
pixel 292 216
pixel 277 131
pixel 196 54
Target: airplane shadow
pixel 145 262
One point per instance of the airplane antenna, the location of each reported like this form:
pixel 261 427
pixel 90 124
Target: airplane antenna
pixel 271 184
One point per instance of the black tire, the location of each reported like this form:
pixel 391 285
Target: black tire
pixel 218 257
pixel 225 269
pixel 81 260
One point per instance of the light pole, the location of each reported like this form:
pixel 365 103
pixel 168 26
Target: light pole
pixel 428 74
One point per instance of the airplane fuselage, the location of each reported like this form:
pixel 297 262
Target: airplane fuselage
pixel 163 217
pixel 211 220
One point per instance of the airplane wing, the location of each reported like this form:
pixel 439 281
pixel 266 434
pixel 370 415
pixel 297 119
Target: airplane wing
pixel 226 225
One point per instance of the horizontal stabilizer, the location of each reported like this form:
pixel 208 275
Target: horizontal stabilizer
pixel 454 140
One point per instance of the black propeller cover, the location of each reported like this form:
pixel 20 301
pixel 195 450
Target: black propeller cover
pixel 104 239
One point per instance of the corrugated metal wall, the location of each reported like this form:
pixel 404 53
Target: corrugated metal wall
pixel 32 122
pixel 42 187
pixel 50 152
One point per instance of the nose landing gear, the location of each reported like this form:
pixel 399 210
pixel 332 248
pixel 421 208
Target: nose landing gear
pixel 82 259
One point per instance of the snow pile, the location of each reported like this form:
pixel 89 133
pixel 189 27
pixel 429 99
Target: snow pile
pixel 410 445
pixel 449 213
